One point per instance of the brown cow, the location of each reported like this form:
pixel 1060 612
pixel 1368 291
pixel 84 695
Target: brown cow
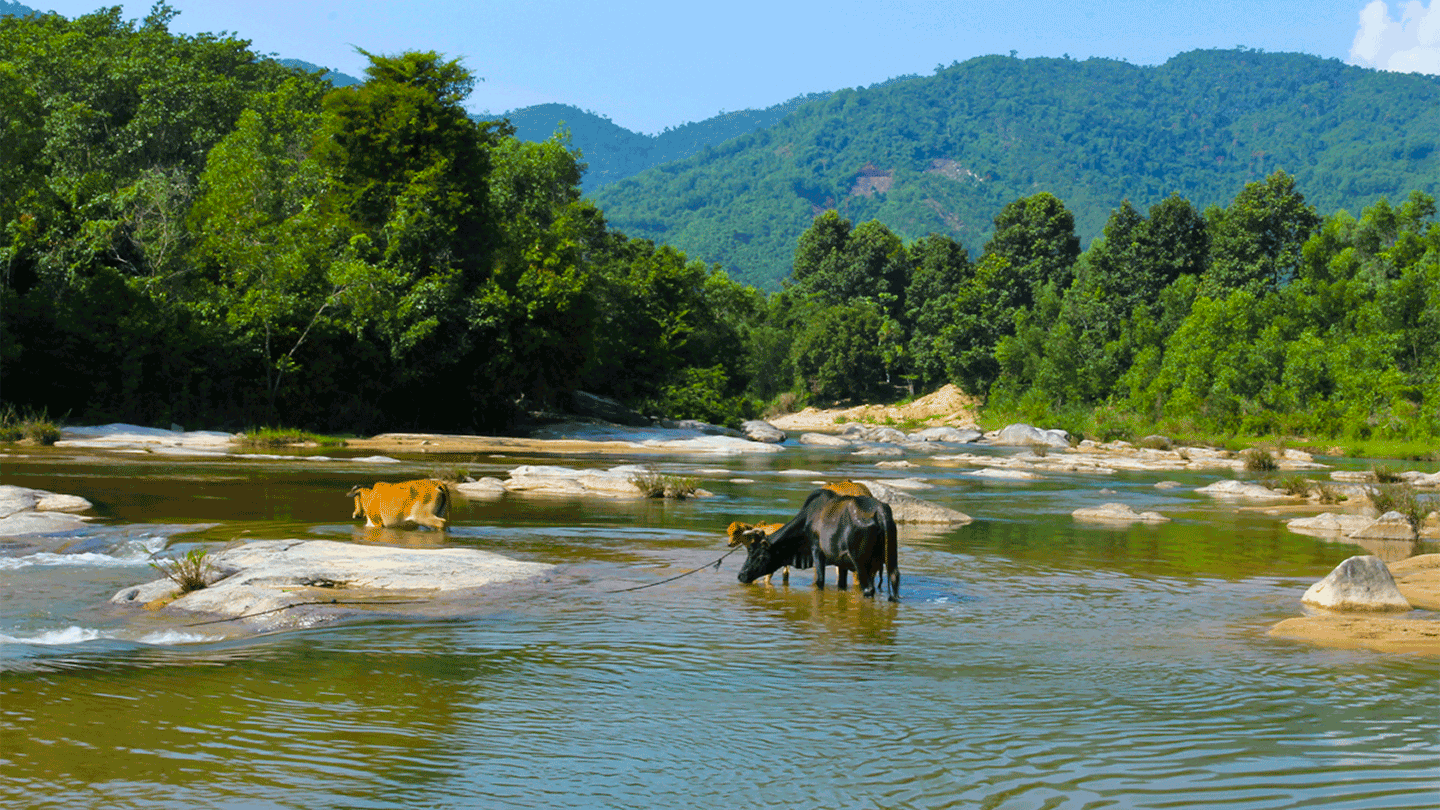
pixel 423 502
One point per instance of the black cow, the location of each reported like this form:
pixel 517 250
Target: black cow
pixel 854 533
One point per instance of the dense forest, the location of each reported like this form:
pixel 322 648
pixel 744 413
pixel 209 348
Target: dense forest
pixel 942 153
pixel 196 233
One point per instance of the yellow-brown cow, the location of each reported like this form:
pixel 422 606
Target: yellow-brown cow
pixel 423 502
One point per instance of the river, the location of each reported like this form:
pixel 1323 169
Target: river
pixel 1032 661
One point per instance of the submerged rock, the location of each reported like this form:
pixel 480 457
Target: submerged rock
pixel 1358 583
pixel 1117 513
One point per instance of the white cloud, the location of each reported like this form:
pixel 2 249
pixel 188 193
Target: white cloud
pixel 1409 44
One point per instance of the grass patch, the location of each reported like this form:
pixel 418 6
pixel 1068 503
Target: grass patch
pixel 1294 485
pixel 284 437
pixel 1258 459
pixel 36 426
pixel 654 484
pixel 190 572
pixel 1385 474
pixel 451 474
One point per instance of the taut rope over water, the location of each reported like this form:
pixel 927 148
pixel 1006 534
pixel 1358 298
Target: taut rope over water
pixel 715 565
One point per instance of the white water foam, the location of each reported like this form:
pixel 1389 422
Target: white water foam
pixel 75 634
pixel 138 551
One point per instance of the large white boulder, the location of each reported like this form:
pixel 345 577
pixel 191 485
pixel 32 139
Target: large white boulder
pixel 1030 436
pixel 1359 583
pixel 758 430
pixel 824 440
pixel 906 508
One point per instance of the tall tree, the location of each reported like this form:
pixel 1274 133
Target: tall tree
pixel 1256 241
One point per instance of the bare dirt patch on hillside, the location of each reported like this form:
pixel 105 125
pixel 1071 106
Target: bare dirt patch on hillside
pixel 946 406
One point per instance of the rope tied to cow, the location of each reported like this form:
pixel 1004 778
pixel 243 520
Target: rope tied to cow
pixel 715 565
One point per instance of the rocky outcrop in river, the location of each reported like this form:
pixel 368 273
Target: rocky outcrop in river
pixel 25 511
pixel 291 584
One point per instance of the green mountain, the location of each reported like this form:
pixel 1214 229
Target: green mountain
pixel 614 153
pixel 335 77
pixel 945 153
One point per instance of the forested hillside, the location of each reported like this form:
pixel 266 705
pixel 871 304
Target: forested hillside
pixel 943 153
pixel 613 153
pixel 193 232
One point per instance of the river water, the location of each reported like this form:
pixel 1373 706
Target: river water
pixel 1032 662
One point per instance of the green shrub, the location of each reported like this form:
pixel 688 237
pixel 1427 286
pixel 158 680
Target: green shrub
pixel 1385 474
pixel 283 437
pixel 654 484
pixel 37 426
pixel 1295 485
pixel 1258 459
pixel 190 572
pixel 1400 498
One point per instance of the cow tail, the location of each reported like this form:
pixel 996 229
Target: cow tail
pixel 892 552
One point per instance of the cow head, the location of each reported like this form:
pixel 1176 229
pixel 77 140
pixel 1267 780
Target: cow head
pixel 762 559
pixel 358 493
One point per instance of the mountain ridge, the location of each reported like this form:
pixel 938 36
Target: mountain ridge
pixel 945 153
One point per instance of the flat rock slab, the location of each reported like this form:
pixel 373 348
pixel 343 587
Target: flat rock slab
pixel 1329 524
pixel 285 584
pixel 1117 513
pixel 1380 633
pixel 25 511
pixel 1243 489
pixel 1418 579
pixel 1004 475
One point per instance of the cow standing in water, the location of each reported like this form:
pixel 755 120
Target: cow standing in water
pixel 422 502
pixel 747 533
pixel 851 532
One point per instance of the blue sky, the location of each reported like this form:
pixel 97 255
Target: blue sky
pixel 650 65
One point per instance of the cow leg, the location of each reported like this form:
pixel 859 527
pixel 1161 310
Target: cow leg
pixel 784 576
pixel 437 523
pixel 894 585
pixel 819 569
